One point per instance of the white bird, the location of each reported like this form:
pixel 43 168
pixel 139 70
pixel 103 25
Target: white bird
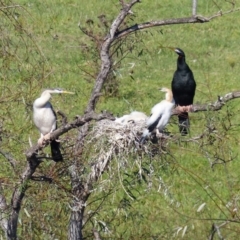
pixel 134 116
pixel 160 115
pixel 45 120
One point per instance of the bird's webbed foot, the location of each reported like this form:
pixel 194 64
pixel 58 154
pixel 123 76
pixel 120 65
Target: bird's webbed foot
pixel 43 139
pixel 188 108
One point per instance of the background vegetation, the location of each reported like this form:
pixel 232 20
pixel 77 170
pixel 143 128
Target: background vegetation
pixel 177 194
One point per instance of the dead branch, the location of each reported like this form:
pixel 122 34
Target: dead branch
pixel 216 106
pixel 141 26
pixel 105 56
pixel 150 24
pixel 13 6
pixel 64 117
pixel 18 195
pixel 10 158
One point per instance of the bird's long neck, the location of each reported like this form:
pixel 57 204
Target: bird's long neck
pixel 181 63
pixel 169 96
pixel 42 101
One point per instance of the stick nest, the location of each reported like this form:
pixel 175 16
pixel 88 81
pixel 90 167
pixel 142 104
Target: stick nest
pixel 111 139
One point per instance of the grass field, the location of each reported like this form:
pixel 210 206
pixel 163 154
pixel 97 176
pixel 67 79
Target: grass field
pixel 42 46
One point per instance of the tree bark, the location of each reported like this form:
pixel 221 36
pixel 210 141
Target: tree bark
pixel 79 190
pixel 18 195
pixel 75 224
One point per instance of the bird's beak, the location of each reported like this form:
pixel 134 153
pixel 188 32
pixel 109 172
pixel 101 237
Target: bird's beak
pixel 171 48
pixel 177 51
pixel 68 92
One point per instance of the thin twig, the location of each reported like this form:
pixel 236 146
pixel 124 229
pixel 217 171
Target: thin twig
pixel 64 117
pixel 11 6
pixel 10 159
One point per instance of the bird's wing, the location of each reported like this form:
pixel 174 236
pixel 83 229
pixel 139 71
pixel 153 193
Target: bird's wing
pixel 183 88
pixel 153 121
pixel 157 112
pixel 159 107
pixel 54 113
pixel 165 117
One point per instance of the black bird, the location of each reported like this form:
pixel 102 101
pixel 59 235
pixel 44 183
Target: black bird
pixel 183 88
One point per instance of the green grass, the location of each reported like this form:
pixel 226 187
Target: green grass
pixel 43 47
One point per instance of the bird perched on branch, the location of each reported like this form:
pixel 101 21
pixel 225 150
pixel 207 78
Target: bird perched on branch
pixel 160 115
pixel 183 88
pixel 45 120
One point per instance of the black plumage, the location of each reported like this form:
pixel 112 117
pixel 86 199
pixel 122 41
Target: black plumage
pixel 183 88
pixel 55 145
pixel 55 150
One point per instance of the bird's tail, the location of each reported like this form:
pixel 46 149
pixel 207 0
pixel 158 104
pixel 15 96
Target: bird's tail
pixel 184 123
pixel 56 153
pixel 145 134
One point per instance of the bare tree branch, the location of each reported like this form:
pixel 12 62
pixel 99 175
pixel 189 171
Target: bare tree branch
pixel 64 117
pixel 18 195
pixel 105 56
pixel 13 6
pixel 10 158
pixel 141 26
pixel 216 106
pixel 193 19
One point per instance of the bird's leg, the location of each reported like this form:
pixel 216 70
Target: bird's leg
pixel 158 133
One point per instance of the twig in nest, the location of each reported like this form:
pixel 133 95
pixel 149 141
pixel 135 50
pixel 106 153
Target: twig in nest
pixel 42 179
